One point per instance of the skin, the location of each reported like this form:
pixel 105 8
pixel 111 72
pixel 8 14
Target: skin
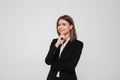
pixel 64 29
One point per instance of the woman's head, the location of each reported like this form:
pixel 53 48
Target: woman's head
pixel 65 26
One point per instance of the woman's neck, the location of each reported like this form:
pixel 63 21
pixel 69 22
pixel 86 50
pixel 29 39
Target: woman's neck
pixel 66 37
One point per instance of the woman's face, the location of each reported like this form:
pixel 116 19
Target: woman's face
pixel 64 27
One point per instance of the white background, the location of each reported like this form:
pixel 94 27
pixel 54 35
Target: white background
pixel 27 28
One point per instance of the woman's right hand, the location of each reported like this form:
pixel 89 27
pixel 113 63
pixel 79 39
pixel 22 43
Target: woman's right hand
pixel 60 41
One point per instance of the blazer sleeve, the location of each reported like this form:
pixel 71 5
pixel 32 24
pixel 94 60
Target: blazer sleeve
pixel 70 65
pixel 51 53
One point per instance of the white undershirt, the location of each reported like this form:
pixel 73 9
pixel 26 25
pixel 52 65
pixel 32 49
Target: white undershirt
pixel 61 49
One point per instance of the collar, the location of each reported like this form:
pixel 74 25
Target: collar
pixel 66 42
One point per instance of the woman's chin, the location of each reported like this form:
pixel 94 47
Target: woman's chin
pixel 62 34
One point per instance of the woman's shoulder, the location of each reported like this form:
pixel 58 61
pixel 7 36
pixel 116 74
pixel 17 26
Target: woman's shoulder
pixel 78 42
pixel 54 40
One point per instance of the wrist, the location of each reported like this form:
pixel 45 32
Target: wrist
pixel 57 45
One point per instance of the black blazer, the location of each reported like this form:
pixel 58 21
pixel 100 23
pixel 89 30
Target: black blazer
pixel 66 63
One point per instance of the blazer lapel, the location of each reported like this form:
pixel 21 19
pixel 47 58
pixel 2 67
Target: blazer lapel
pixel 66 48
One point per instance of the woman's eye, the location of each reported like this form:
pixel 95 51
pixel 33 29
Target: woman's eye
pixel 63 24
pixel 58 24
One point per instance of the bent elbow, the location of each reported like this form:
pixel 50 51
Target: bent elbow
pixel 48 62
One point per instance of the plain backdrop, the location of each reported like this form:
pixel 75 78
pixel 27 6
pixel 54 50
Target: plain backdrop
pixel 27 28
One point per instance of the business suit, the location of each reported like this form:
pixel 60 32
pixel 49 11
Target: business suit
pixel 66 63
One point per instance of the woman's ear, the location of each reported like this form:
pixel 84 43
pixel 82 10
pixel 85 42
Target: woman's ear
pixel 71 26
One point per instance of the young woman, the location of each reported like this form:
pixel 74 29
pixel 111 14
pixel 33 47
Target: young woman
pixel 64 52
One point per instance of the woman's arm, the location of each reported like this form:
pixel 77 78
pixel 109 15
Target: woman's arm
pixel 51 53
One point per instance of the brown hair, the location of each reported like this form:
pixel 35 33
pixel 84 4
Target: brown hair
pixel 69 19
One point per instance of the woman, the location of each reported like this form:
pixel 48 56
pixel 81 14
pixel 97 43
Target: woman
pixel 64 52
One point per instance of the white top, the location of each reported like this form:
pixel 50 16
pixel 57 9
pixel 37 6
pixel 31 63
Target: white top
pixel 61 49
